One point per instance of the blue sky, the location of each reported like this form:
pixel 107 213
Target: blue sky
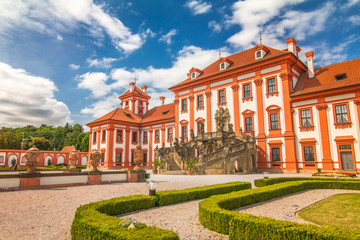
pixel 68 61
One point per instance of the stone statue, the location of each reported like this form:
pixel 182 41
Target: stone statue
pixel 192 135
pixel 73 158
pixel 200 126
pixel 32 157
pixel 138 157
pixel 95 156
pixel 221 115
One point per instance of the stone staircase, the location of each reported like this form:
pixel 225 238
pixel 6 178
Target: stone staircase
pixel 174 172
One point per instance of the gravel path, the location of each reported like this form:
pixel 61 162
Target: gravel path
pixel 48 213
pixel 181 218
pixel 285 208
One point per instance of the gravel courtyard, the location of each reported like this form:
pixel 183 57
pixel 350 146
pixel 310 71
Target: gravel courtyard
pixel 48 213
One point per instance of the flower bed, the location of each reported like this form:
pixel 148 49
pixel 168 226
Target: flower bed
pixel 98 221
pixel 270 181
pixel 215 213
pixel 333 174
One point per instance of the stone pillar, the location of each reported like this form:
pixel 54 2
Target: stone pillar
pixel 176 101
pixel 235 88
pixel 324 132
pixel 208 110
pixel 151 146
pixel 109 147
pixel 191 104
pixel 261 138
pixel 127 147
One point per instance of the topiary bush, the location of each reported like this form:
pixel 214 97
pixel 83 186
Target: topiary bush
pixel 269 181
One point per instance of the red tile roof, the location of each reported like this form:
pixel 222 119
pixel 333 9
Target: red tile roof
pixel 240 59
pixel 324 78
pixel 163 112
pixel 136 91
pixel 68 149
pixel 118 114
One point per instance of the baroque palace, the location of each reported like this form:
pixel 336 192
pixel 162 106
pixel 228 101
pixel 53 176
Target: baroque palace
pixel 303 119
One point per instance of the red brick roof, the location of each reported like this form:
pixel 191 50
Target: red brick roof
pixel 136 91
pixel 68 149
pixel 324 78
pixel 240 59
pixel 118 114
pixel 163 112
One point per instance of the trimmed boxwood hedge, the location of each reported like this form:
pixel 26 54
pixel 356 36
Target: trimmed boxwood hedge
pixel 98 221
pixel 215 214
pixel 269 181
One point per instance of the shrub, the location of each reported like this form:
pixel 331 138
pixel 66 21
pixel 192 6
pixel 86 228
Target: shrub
pixel 214 213
pixel 269 181
pixel 332 174
pixel 13 162
pixel 176 196
pixel 49 162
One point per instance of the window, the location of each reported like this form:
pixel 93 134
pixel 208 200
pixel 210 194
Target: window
pixel 275 154
pixel 258 54
pixel 102 157
pixel 193 75
pixel 184 132
pixel 222 66
pixel 222 96
pixel 104 135
pixel 145 158
pixel 309 154
pixel 1 160
pixel 145 137
pixel 170 133
pixel 119 135
pixel 271 85
pixel 305 118
pixel 340 77
pixel 140 111
pixel 200 103
pixel 157 135
pixel 183 105
pixel 94 138
pixel 247 91
pixel 274 121
pixel 248 124
pixel 118 157
pixel 134 137
pixel 341 114
pixel 127 103
pixel 140 103
pixel 345 147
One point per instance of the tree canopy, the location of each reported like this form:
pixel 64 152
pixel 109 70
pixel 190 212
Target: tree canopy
pixel 44 137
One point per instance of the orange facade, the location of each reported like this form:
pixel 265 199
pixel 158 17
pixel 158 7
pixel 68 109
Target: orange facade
pixel 300 116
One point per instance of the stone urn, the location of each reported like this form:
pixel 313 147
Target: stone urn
pixel 95 156
pixel 32 157
pixel 73 158
pixel 138 157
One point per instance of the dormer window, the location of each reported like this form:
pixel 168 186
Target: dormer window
pixel 222 66
pixel 193 75
pixel 340 77
pixel 258 54
pixel 260 51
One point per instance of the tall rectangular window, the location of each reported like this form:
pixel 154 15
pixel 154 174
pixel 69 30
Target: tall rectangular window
pixel 134 137
pixel 341 114
pixel 183 105
pixel 247 91
pixel 305 118
pixel 274 121
pixel 184 132
pixel 102 157
pixel 118 157
pixel 140 103
pixel 157 135
pixel 104 135
pixel 145 158
pixel 309 154
pixel 200 102
pixel 119 135
pixel 170 133
pixel 222 96
pixel 248 124
pixel 271 85
pixel 275 154
pixel 94 138
pixel 145 137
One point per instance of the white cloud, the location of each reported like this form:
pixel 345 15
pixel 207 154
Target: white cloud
pixel 103 106
pixel 28 99
pixel 101 63
pixel 95 82
pixel 214 26
pixel 58 37
pixel 198 7
pixel 74 66
pixel 355 19
pixel 167 37
pixel 53 16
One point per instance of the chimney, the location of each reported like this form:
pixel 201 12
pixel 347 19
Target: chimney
pixel 292 45
pixel 144 89
pixel 132 86
pixel 310 63
pixel 162 99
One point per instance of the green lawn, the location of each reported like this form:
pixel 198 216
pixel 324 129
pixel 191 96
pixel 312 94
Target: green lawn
pixel 342 210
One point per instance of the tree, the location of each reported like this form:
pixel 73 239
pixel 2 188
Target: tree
pixel 85 143
pixel 41 143
pixel 9 140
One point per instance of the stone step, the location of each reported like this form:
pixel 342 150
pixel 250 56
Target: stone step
pixel 174 172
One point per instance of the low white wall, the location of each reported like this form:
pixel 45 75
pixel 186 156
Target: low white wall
pixel 63 180
pixel 113 177
pixel 9 182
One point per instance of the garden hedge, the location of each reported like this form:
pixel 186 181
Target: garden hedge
pixel 215 214
pixel 269 181
pixel 98 220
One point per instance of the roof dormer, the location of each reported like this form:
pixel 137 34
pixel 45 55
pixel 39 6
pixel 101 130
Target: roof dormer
pixel 194 73
pixel 224 63
pixel 260 51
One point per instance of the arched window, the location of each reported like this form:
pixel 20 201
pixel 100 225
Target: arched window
pixel 258 54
